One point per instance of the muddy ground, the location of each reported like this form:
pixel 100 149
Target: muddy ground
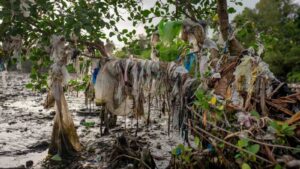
pixel 25 129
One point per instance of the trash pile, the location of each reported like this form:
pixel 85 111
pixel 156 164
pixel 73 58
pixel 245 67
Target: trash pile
pixel 245 116
pixel 238 112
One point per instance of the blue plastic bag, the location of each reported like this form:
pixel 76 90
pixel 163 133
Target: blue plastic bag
pixel 95 74
pixel 189 60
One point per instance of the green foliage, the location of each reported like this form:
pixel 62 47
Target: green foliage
pixel 245 166
pixel 70 68
pixel 197 141
pixel 294 77
pixel 277 166
pixel 88 124
pixel 171 51
pixel 282 130
pixel 182 153
pixel 39 70
pixel 202 99
pixel 279 30
pixel 210 104
pixel 253 148
pixel 139 47
pixel 121 53
pixel 56 158
pixel 168 31
pixel 170 47
pixel 255 114
pixel 79 84
pixel 231 10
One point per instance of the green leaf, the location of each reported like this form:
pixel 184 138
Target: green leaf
pixel 112 22
pixel 239 3
pixel 181 146
pixel 237 155
pixel 169 30
pixel 278 166
pixel 243 143
pixel 188 149
pixel 274 125
pixel 111 34
pixel 282 129
pixel 173 151
pixel 145 13
pixel 245 166
pixel 56 158
pixel 29 86
pixel 186 158
pixel 253 148
pixel 88 124
pixel 231 10
pixel 255 114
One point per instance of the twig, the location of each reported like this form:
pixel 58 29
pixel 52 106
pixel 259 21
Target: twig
pixel 274 91
pixel 284 110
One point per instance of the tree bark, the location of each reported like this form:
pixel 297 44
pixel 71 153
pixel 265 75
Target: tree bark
pixel 234 46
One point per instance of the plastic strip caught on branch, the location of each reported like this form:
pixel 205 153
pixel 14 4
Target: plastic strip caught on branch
pixel 64 141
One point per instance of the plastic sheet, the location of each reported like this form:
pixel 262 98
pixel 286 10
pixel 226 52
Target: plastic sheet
pixel 243 74
pixel 264 69
pixel 57 47
pixel 105 85
pixel 236 99
pixel 180 70
pixel 203 65
pixel 64 137
pixel 64 141
pixel 110 89
pixel 123 109
pixel 209 44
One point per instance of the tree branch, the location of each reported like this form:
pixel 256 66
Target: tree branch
pixel 235 48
